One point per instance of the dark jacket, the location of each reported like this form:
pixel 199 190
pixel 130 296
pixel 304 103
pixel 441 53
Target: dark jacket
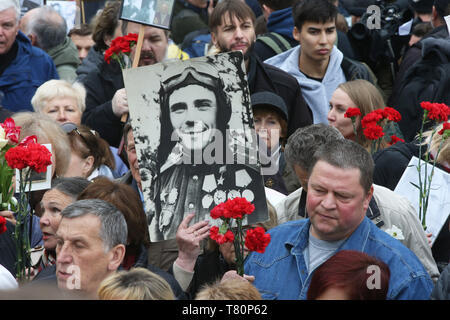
pixel 92 61
pixel 264 77
pixel 101 85
pixel 441 290
pixel 411 57
pixel 8 255
pixel 390 163
pixel 185 19
pixel 31 68
pixel 65 57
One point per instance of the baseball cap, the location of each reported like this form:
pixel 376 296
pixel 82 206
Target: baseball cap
pixel 268 98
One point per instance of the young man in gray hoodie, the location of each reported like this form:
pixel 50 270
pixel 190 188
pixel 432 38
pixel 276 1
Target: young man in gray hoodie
pixel 317 63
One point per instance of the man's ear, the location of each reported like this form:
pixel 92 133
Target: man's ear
pixel 296 34
pixel 32 39
pixel 266 11
pixel 116 256
pixel 367 198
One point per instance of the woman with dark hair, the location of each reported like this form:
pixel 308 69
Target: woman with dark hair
pixel 350 275
pixel 124 198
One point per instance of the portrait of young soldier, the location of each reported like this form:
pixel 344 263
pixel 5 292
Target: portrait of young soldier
pixel 204 152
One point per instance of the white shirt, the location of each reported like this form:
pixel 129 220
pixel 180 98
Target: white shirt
pixel 7 281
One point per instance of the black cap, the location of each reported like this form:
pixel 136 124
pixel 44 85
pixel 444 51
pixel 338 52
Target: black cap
pixel 358 7
pixel 421 6
pixel 268 98
pixel 441 6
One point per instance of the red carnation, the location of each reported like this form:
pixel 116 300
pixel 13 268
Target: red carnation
pixel 352 112
pixel 238 207
pixel 445 127
pixel 436 111
pixel 371 118
pixel 29 154
pixel 373 131
pixel 11 131
pixel 257 239
pixel 392 114
pixel 2 224
pixel 394 140
pixel 221 238
pixel 218 211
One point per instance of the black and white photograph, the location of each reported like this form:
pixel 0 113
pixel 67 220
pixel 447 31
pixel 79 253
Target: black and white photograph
pixel 67 9
pixel 193 129
pixel 156 13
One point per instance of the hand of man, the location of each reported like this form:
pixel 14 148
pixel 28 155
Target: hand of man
pixel 120 103
pixel 8 215
pixel 188 241
pixel 232 274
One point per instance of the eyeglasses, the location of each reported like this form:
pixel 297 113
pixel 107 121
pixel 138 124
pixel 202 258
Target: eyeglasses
pixel 70 127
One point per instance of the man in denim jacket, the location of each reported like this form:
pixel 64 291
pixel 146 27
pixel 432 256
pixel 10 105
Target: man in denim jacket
pixel 339 192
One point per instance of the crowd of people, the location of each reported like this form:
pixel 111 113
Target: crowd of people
pixel 331 200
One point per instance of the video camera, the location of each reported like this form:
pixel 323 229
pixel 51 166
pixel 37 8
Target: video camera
pixel 376 34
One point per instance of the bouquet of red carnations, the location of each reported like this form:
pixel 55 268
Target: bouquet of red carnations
pixel 255 239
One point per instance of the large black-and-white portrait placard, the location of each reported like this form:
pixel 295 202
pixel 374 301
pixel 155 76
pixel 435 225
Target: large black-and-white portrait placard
pixel 195 139
pixel 156 13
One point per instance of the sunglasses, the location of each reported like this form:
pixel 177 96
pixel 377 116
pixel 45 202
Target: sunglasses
pixel 70 127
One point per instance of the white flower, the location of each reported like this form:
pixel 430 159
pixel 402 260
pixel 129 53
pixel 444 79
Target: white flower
pixel 3 140
pixel 395 232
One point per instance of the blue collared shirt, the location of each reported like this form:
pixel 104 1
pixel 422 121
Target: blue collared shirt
pixel 282 273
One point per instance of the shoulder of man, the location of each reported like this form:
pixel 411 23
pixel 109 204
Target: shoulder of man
pixel 408 277
pixel 287 209
pixel 357 70
pixel 280 77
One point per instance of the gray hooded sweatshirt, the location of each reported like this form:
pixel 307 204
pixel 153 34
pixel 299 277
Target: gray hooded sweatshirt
pixel 317 94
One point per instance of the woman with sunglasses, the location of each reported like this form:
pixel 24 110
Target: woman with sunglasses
pixel 90 155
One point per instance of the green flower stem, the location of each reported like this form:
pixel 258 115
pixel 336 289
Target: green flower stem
pixel 239 248
pixel 21 234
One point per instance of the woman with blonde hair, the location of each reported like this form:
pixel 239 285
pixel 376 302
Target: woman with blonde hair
pixel 135 284
pixel 60 100
pixel 357 94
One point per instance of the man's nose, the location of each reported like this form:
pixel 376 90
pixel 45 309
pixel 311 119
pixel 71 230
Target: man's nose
pixel 329 201
pixel 239 34
pixel 83 54
pixel 323 37
pixel 146 46
pixel 64 255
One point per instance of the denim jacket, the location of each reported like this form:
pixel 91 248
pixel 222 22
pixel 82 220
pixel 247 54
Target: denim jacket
pixel 281 272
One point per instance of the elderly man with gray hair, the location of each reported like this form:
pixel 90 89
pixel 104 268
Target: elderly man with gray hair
pixel 91 241
pixel 47 30
pixel 22 67
pixel 386 209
